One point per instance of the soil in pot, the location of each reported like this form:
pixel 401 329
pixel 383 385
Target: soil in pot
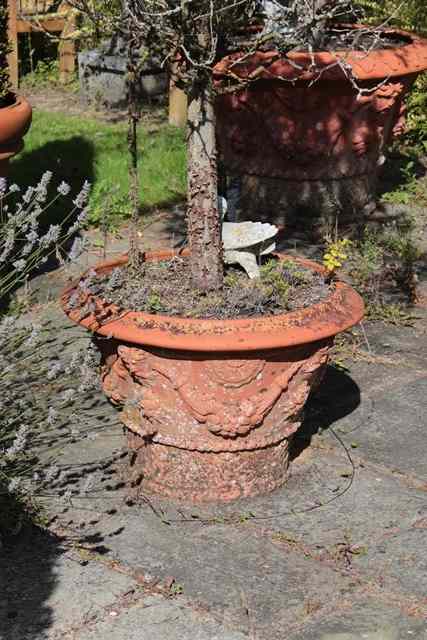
pixel 165 287
pixel 8 100
pixel 340 37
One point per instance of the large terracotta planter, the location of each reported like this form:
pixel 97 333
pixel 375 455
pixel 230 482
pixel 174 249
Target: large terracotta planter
pixel 15 120
pixel 308 148
pixel 211 405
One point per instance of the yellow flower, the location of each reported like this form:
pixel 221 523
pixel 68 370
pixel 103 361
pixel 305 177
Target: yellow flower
pixel 335 255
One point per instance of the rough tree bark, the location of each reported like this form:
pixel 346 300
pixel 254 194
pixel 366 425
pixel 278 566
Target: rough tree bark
pixel 204 224
pixel 134 114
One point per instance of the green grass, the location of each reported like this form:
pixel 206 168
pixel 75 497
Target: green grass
pixel 77 149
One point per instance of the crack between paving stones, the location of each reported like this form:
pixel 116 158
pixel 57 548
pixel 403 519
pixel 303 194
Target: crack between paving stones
pixel 147 589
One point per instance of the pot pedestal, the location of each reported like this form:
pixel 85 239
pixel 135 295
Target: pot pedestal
pixel 211 427
pixel 313 207
pixel 204 476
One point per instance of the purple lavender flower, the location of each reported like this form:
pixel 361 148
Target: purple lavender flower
pixel 51 237
pixel 83 196
pixel 15 485
pixel 54 370
pixel 28 195
pixel 52 416
pixel 20 264
pixel 76 250
pixel 64 188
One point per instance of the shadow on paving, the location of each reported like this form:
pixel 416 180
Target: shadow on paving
pixel 27 580
pixel 337 397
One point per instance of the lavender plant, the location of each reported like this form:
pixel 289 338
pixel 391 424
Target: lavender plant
pixel 32 415
pixel 25 412
pixel 23 247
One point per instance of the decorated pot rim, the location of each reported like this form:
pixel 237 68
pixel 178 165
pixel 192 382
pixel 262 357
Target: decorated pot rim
pixel 408 59
pixel 15 120
pixel 342 309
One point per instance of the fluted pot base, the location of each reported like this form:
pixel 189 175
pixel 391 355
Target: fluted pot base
pixel 206 476
pixel 313 206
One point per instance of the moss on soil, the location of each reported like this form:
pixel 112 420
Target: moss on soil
pixel 165 288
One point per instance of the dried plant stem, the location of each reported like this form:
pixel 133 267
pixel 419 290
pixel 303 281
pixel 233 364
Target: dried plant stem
pixel 134 251
pixel 134 115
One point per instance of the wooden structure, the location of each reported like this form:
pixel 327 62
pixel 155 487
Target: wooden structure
pixel 178 102
pixel 53 17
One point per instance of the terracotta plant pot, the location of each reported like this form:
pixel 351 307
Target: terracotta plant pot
pixel 15 120
pixel 309 152
pixel 211 405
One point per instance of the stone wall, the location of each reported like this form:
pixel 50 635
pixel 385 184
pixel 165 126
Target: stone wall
pixel 102 74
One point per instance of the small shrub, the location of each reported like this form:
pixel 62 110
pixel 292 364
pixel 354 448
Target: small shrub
pixel 4 51
pixel 382 265
pixel 25 247
pixel 45 74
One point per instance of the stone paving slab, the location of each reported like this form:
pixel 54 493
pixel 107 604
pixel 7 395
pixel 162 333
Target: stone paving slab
pixel 379 408
pixel 399 560
pixel 394 434
pixel 81 598
pixel 366 619
pixel 408 343
pixel 239 576
pixel 157 619
pixel 46 589
pixel 321 507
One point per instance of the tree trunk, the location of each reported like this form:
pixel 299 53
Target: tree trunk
pixel 204 224
pixel 134 113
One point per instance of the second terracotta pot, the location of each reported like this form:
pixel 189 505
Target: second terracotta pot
pixel 15 120
pixel 307 148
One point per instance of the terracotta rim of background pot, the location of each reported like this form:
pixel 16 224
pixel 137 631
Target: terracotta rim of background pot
pixel 15 120
pixel 342 309
pixel 408 59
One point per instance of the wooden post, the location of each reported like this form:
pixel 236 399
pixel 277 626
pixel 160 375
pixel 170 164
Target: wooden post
pixel 67 46
pixel 178 103
pixel 13 39
pixel 67 53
